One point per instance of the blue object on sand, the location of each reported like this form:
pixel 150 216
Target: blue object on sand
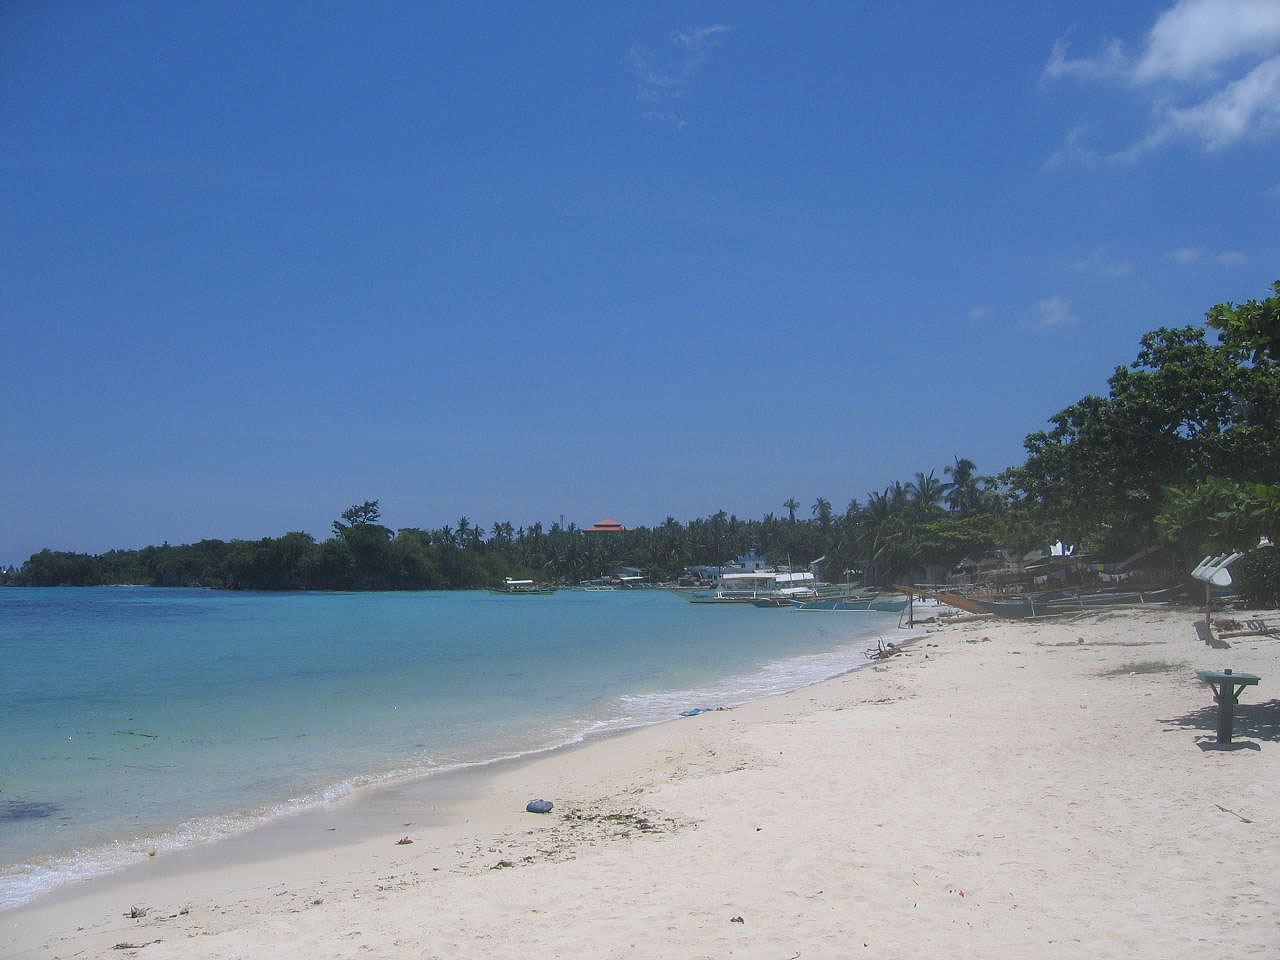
pixel 539 806
pixel 694 712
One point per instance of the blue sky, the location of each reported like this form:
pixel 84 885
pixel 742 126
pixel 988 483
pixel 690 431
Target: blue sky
pixel 513 261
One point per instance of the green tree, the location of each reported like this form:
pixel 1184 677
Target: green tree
pixel 822 512
pixel 961 494
pixel 1220 515
pixel 357 515
pixel 1253 326
pixel 1183 411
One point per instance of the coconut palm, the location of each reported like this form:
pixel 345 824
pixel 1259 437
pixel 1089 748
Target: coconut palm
pixel 925 491
pixel 822 510
pixel 792 506
pixel 962 494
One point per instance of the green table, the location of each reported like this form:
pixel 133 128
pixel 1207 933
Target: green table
pixel 1226 691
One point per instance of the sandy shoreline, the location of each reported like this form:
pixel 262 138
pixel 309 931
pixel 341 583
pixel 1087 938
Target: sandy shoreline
pixel 987 793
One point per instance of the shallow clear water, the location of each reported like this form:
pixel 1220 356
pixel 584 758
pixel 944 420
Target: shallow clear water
pixel 136 719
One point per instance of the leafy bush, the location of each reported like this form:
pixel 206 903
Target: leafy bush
pixel 1257 576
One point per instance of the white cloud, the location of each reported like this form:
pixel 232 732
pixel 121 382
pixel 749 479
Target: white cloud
pixel 1110 63
pixel 1053 312
pixel 1193 38
pixel 1186 256
pixel 698 38
pixel 1208 69
pixel 978 313
pixel 664 77
pixel 664 116
pixel 1246 107
pixel 1074 150
pixel 1100 263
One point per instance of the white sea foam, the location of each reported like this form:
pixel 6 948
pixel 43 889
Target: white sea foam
pixel 22 882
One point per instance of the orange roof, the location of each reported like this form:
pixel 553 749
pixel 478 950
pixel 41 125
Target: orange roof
pixel 606 526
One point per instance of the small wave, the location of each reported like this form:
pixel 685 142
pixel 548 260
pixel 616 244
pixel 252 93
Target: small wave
pixel 22 882
pixel 776 677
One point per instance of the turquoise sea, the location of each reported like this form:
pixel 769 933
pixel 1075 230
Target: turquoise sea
pixel 136 719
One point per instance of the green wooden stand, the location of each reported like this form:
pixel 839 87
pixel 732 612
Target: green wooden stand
pixel 1226 691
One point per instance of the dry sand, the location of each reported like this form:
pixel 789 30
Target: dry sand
pixel 998 790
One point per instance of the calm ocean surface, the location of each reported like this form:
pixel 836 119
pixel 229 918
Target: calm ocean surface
pixel 134 719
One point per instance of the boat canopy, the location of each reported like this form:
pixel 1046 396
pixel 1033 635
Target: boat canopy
pixel 795 577
pixel 518 583
pixel 758 575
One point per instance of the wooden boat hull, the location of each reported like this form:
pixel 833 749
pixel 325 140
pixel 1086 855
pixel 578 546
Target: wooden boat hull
pixel 1055 603
pixel 837 604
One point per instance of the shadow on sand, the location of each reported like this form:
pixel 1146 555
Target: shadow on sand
pixel 1261 721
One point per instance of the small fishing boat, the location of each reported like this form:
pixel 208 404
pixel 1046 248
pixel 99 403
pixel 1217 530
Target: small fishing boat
pixel 836 603
pixel 520 588
pixel 726 596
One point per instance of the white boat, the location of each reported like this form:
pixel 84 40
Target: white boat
pixel 520 588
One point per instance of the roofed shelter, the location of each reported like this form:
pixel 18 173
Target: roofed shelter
pixel 606 526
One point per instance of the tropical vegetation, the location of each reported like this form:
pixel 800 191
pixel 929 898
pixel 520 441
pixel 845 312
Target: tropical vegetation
pixel 1182 450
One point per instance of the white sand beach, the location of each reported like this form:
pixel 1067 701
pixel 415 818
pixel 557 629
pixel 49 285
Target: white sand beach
pixel 997 790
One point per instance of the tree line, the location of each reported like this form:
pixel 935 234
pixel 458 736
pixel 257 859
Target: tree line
pixel 1182 450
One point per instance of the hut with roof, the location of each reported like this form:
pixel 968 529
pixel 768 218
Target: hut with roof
pixel 606 526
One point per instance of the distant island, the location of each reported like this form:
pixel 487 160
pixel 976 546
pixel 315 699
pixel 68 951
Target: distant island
pixel 1183 453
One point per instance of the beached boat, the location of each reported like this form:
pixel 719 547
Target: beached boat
pixel 833 604
pixel 854 604
pixel 1057 602
pixel 1060 602
pixel 520 588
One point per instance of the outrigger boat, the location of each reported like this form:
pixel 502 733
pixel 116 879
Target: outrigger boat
pixel 761 587
pixel 853 604
pixel 520 588
pixel 1054 603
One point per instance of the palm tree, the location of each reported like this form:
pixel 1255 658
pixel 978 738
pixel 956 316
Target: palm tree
pixel 792 506
pixel 925 491
pixel 822 510
pixel 882 523
pixel 962 492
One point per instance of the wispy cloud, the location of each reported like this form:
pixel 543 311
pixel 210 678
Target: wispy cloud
pixel 1053 312
pixel 1075 149
pixel 1186 256
pixel 663 77
pixel 1101 264
pixel 1209 71
pixel 980 312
